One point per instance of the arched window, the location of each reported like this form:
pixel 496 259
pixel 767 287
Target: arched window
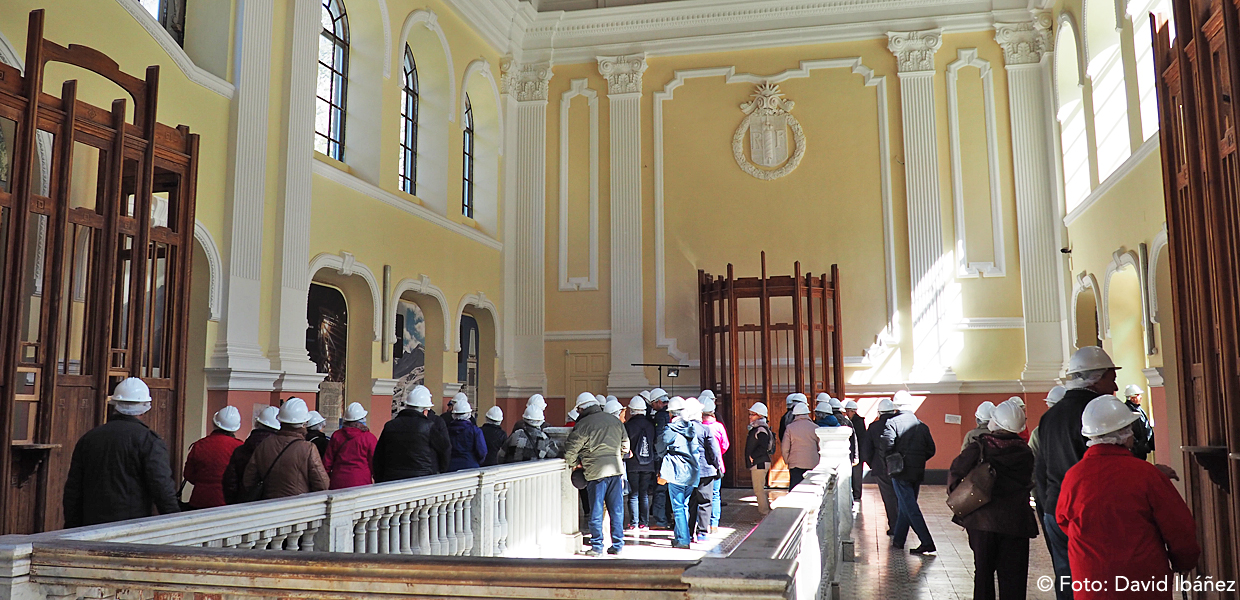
pixel 1143 39
pixel 1105 68
pixel 329 108
pixel 467 187
pixel 1071 115
pixel 409 127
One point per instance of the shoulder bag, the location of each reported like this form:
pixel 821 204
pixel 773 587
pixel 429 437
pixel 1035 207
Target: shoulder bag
pixel 974 490
pixel 256 493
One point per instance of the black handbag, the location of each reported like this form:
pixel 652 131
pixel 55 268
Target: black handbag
pixel 256 493
pixel 895 464
pixel 973 492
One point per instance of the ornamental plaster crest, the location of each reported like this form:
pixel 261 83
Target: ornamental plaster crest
pixel 623 73
pixel 915 50
pixel 1024 43
pixel 768 123
pixel 525 81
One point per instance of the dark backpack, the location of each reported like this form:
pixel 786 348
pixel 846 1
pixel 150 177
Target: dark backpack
pixel 643 451
pixel 771 443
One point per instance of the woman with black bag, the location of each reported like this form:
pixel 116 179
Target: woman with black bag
pixel 1000 529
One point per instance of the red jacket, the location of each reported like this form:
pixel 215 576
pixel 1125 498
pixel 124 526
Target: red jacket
pixel 349 457
pixel 204 467
pixel 1124 519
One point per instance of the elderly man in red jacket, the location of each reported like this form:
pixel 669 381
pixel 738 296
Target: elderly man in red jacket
pixel 1128 529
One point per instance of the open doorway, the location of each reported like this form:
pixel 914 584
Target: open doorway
pixel 327 334
pixel 467 358
pixel 1086 319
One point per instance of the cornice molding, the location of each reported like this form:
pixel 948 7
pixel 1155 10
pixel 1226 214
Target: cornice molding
pixel 623 73
pixel 191 71
pixel 1025 42
pixel 215 293
pixel 524 81
pixel 914 50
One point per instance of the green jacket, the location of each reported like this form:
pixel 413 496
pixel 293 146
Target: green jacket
pixel 599 442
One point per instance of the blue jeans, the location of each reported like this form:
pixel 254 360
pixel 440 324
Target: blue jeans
pixel 641 483
pixel 679 496
pixel 910 514
pixel 1057 540
pixel 606 494
pixel 715 504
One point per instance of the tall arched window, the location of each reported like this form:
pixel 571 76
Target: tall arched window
pixel 1071 115
pixel 1105 68
pixel 409 127
pixel 329 108
pixel 1143 38
pixel 467 187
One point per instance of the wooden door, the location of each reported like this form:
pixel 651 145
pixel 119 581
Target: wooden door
pixel 585 372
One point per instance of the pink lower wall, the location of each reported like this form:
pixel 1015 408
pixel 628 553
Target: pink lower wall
pixel 246 400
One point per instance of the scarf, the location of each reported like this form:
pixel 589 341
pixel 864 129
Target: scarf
pixel 759 423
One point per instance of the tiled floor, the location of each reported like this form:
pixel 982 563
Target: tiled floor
pixel 885 573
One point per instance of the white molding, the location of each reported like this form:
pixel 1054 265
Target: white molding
pixel 382 387
pixel 1151 277
pixel 215 267
pixel 386 23
pixel 346 264
pixel 582 335
pixel 481 301
pixel 998 386
pixel 967 57
pixel 403 203
pixel 579 87
pixel 730 75
pixel 1149 147
pixel 1154 376
pixel 423 286
pixel 482 67
pixel 430 20
pixel 1119 260
pixel 241 380
pixel 991 323
pixel 191 71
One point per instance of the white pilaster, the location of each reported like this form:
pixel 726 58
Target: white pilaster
pixel 524 86
pixel 237 349
pixel 930 267
pixel 624 94
pixel 289 353
pixel 1025 46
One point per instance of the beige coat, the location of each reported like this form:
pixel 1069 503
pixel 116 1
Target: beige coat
pixel 800 443
pixel 298 471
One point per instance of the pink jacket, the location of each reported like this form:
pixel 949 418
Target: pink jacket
pixel 349 456
pixel 721 434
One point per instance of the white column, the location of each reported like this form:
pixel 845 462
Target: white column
pixel 624 95
pixel 237 354
pixel 930 267
pixel 289 353
pixel 1026 54
pixel 525 90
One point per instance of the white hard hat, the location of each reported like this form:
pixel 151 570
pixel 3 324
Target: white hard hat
pixel 610 398
pixel 354 412
pixel 759 408
pixel 645 394
pixel 458 397
pixel 227 418
pixel 315 419
pixel 495 414
pixel 602 400
pixel 533 413
pixel 1104 415
pixel 613 407
pixel 1017 400
pixel 268 419
pixel 419 397
pixel 294 412
pixel 822 397
pixel 131 389
pixel 1009 416
pixel 536 400
pixel 886 405
pixel 637 404
pixel 693 410
pixel 850 405
pixel 657 395
pixel 801 408
pixel 1090 358
pixel 797 398
pixel 706 394
pixel 585 399
pixel 823 406
pixel 985 411
pixel 1055 395
pixel 903 398
pixel 708 404
pixel 460 406
pixel 836 404
pixel 573 414
pixel 675 404
pixel 1133 390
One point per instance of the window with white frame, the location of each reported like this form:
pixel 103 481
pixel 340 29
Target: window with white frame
pixel 409 126
pixel 1143 38
pixel 170 14
pixel 468 155
pixel 1071 117
pixel 1106 72
pixel 333 80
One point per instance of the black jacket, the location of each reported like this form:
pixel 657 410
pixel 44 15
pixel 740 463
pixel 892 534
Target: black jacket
pixel 1060 445
pixel 119 469
pixel 1008 511
pixel 412 445
pixel 758 447
pixel 1143 432
pixel 641 444
pixel 495 437
pixel 784 421
pixel 319 439
pixel 239 460
pixel 907 435
pixel 871 448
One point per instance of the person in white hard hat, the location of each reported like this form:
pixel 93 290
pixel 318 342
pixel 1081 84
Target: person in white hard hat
pixel 1123 517
pixel 494 434
pixel 679 448
pixel 1143 427
pixel 907 444
pixel 597 446
pixel 760 445
pixel 790 403
pixel 208 458
pixel 720 432
pixel 861 440
pixel 642 466
pixel 528 441
pixel 614 408
pixel 469 447
pixel 710 467
pixel 982 417
pixel 824 414
pixel 314 432
pixel 999 531
pixel 415 443
pixel 265 426
pixel 120 469
pixel 660 502
pixel 285 464
pixel 351 452
pixel 800 444
pixel 1052 398
pixel 535 401
pixel 873 455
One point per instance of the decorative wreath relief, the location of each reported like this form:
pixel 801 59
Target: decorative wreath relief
pixel 768 124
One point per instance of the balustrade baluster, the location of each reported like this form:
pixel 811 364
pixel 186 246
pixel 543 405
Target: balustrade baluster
pixel 501 519
pixel 449 504
pixel 293 542
pixel 405 529
pixel 467 520
pixel 436 530
pixel 394 528
pixel 307 538
pixel 383 531
pixel 372 532
pixel 423 534
pixel 277 542
pixel 359 534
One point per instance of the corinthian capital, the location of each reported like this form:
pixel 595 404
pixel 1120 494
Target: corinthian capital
pixel 527 82
pixel 623 73
pixel 915 50
pixel 1024 42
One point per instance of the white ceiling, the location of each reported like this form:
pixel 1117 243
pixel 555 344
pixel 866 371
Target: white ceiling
pixel 547 5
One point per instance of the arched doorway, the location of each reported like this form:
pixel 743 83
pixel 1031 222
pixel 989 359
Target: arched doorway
pixel 467 357
pixel 327 342
pixel 1086 319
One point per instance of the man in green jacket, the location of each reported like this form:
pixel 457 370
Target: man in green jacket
pixel 598 445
